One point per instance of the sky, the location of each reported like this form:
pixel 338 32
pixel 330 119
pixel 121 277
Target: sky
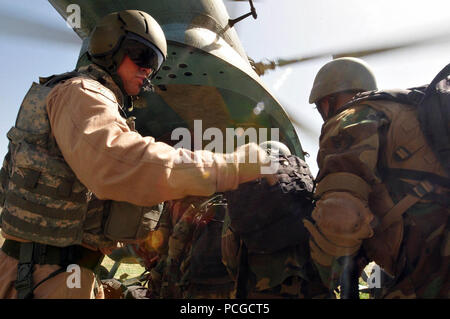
pixel 283 29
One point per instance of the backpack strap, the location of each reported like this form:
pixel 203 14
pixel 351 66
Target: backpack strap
pixel 51 81
pixel 412 96
pixel 444 73
pixel 430 186
pixel 418 176
pixel 396 212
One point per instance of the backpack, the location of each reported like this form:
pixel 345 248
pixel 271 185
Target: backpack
pixel 434 116
pixel 433 111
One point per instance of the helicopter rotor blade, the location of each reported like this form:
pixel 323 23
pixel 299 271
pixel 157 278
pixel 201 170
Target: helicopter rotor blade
pixel 16 26
pixel 262 67
pixel 304 128
pixel 357 54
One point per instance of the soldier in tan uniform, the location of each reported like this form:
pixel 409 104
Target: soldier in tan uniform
pixel 380 195
pixel 78 179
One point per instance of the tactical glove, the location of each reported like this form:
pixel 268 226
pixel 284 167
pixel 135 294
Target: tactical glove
pixel 342 221
pixel 253 162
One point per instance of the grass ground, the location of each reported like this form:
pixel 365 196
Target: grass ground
pixel 125 271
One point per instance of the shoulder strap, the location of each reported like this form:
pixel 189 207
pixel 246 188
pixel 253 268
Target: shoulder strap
pixel 395 213
pixel 51 81
pixel 444 73
pixel 434 116
pixel 412 96
pixel 418 176
pixel 25 267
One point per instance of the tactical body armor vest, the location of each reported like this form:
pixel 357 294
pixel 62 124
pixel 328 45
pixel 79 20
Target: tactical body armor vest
pixel 411 173
pixel 43 201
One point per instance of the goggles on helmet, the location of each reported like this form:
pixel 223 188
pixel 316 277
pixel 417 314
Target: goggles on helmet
pixel 142 52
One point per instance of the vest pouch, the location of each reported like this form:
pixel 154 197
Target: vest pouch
pixel 206 265
pixel 4 179
pixel 230 245
pixel 127 222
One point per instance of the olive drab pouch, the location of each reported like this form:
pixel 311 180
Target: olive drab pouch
pixel 193 267
pixel 4 179
pixel 206 254
pixel 126 222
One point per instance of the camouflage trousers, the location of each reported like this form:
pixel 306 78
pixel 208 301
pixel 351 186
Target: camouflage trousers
pixel 53 288
pixel 423 283
pixel 423 263
pixel 292 288
pixel 202 291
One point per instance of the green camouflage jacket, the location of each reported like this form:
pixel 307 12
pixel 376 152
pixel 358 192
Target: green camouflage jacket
pixel 368 140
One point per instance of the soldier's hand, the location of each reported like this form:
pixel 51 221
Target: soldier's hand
pixel 253 163
pixel 271 179
pixel 342 221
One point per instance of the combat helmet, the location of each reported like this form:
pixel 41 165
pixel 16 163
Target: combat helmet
pixel 343 74
pixel 130 32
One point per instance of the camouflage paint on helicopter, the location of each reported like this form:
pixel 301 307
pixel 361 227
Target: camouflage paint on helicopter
pixel 207 74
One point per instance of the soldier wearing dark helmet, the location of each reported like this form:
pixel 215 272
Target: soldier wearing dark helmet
pixel 380 193
pixel 78 179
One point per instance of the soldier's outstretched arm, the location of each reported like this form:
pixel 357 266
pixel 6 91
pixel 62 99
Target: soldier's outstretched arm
pixel 348 156
pixel 117 163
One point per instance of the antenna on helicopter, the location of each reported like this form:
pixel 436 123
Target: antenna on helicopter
pixel 232 22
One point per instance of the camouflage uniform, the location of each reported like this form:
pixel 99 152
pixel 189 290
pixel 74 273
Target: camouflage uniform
pixel 188 245
pixel 43 200
pixel 55 187
pixel 264 243
pixel 46 202
pixel 368 140
pixel 263 252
